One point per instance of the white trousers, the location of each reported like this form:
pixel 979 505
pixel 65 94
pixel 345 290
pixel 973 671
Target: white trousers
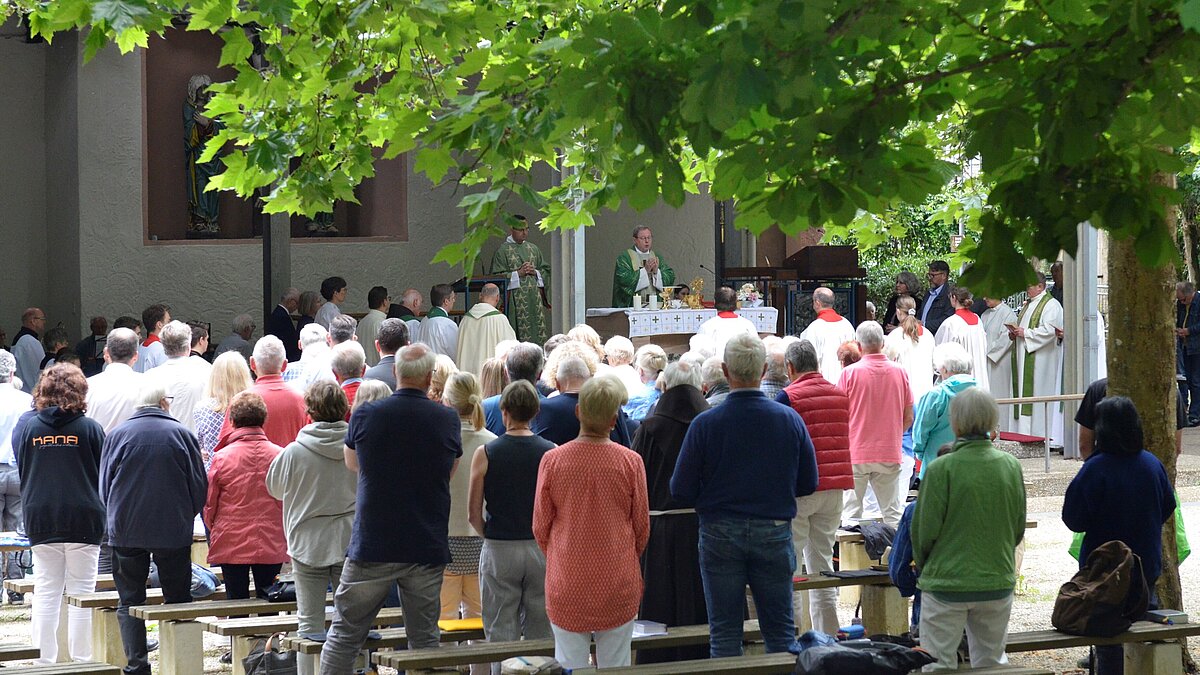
pixel 871 504
pixel 942 626
pixel 813 531
pixel 59 569
pixel 884 478
pixel 572 650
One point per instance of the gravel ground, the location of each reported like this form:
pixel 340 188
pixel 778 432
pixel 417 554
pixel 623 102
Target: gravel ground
pixel 1046 566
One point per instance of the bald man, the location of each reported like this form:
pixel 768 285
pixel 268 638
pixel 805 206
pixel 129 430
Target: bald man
pixel 483 327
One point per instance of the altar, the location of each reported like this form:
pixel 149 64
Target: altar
pixel 668 328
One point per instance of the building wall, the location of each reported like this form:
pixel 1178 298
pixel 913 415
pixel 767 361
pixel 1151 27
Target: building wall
pixel 94 214
pixel 23 176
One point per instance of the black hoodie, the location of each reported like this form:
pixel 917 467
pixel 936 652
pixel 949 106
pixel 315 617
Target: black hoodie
pixel 59 463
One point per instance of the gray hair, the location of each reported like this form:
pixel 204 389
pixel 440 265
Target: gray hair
pixel 1185 287
pixel 176 339
pixel 311 334
pixel 651 359
pixel 122 345
pixel 824 297
pixel 870 336
pixel 711 372
pixel 680 373
pixel 243 323
pixel 151 393
pixel 415 362
pixel 348 359
pixel 524 362
pixel 619 350
pixel 341 328
pixel 291 293
pixel 8 365
pixel 745 357
pixel 776 361
pixel 974 412
pixel 953 357
pixel 269 355
pixel 572 369
pixel 802 356
pixel 489 291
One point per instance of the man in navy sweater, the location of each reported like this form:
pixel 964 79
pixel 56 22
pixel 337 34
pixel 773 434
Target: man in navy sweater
pixel 742 466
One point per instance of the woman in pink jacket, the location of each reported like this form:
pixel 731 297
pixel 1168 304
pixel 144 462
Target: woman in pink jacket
pixel 245 522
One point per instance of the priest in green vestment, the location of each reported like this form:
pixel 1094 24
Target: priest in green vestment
pixel 639 270
pixel 529 274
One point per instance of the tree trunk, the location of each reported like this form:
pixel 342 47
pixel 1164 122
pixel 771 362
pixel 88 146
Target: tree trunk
pixel 1141 365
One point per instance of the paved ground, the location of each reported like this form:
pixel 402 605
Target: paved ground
pixel 1047 564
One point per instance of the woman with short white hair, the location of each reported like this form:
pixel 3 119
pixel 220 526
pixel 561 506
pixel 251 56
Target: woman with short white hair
pixel 591 518
pixel 965 530
pixel 931 419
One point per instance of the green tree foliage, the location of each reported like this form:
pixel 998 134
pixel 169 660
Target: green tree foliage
pixel 807 112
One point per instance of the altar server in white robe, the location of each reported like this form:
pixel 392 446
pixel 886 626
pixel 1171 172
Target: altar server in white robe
pixel 1035 354
pixel 482 328
pixel 965 328
pixel 827 332
pixel 727 323
pixel 911 346
pixel 437 329
pixel 1000 380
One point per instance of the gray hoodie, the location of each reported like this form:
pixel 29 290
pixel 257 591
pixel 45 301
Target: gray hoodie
pixel 318 493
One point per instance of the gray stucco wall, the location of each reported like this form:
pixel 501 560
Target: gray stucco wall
pixel 94 212
pixel 23 176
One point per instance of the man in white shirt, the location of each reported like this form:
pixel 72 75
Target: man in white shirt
pixel 150 353
pixel 13 402
pixel 334 291
pixel 438 330
pixel 827 332
pixel 113 394
pixel 378 302
pixel 27 347
pixel 341 329
pixel 182 377
pixel 314 343
pixel 726 323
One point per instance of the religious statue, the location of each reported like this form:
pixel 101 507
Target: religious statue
pixel 197 130
pixel 322 225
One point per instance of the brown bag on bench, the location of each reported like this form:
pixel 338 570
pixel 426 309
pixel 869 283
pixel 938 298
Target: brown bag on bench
pixel 1105 597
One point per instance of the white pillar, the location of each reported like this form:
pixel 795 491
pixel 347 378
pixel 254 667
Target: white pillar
pixel 567 259
pixel 1081 364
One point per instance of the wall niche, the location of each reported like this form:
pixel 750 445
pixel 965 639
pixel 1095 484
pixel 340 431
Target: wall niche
pixel 168 67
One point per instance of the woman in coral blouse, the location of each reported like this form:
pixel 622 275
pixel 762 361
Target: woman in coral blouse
pixel 591 517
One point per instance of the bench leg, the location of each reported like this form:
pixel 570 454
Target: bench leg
pixel 181 648
pixel 106 638
pixel 308 664
pixel 242 644
pixel 64 650
pixel 883 610
pixel 852 555
pixel 1153 658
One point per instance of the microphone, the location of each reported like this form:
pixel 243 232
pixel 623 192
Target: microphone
pixel 706 269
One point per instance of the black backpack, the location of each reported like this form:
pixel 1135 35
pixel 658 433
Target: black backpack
pixel 1105 597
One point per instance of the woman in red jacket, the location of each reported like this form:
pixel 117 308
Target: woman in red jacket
pixel 825 410
pixel 245 522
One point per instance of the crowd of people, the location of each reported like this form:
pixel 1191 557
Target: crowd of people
pixel 559 490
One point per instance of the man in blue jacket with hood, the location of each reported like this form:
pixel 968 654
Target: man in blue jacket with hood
pixel 153 484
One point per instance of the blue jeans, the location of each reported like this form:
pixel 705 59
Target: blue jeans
pixel 1189 365
pixel 735 553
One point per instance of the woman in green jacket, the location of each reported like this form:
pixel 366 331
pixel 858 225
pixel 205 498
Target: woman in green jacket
pixel 965 530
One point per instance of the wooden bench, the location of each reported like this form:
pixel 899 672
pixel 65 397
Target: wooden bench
pixel 883 610
pixel 104 582
pixel 245 632
pixel 1140 658
pixel 106 632
pixel 491 652
pixel 18 652
pixel 309 651
pixel 764 664
pixel 181 637
pixel 88 668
